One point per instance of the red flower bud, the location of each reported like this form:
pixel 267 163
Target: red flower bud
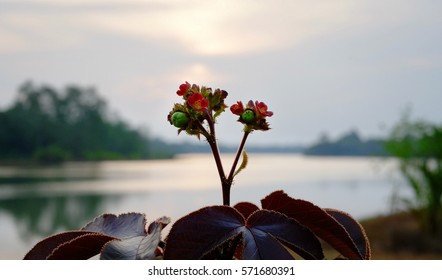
pixel 183 89
pixel 237 108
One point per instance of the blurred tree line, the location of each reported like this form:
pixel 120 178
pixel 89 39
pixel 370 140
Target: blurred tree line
pixel 349 144
pixel 51 126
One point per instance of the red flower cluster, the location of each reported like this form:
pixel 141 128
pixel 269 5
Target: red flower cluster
pixel 253 115
pixel 192 94
pixel 259 108
pixel 201 104
pixel 204 104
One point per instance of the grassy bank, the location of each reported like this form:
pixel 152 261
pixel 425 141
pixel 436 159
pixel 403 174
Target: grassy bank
pixel 398 237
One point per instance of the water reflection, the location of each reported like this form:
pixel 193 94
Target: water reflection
pixel 39 212
pixel 43 215
pixel 39 201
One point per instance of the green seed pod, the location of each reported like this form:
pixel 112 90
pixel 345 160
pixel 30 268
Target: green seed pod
pixel 248 116
pixel 180 119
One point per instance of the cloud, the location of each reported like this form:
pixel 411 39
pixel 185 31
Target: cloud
pixel 158 84
pixel 27 31
pixel 10 41
pixel 226 27
pixel 78 2
pixel 198 27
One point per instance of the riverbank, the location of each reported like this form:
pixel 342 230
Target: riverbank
pixel 398 237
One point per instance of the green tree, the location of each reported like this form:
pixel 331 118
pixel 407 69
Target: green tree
pixel 51 126
pixel 418 146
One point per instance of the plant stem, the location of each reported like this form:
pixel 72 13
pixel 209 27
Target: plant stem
pixel 238 155
pixel 216 155
pixel 211 139
pixel 226 182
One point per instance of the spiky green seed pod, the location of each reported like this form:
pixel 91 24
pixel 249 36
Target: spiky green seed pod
pixel 180 119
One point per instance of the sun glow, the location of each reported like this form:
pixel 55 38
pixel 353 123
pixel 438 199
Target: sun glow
pixel 199 27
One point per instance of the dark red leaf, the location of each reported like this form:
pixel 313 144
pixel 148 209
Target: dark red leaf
pixel 122 226
pixel 316 219
pixel 81 248
pixel 354 229
pixel 264 235
pixel 246 208
pixel 116 237
pixel 45 248
pixel 266 226
pixel 259 245
pixel 200 232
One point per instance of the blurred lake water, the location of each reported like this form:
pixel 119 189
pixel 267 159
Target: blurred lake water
pixel 38 201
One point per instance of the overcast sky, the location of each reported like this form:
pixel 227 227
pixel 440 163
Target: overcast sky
pixel 321 66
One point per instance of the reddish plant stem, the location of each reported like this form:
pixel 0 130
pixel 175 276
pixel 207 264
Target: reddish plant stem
pixel 226 182
pixel 238 155
pixel 203 131
pixel 219 166
pixel 211 138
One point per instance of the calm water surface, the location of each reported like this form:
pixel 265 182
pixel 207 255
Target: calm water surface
pixel 39 201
